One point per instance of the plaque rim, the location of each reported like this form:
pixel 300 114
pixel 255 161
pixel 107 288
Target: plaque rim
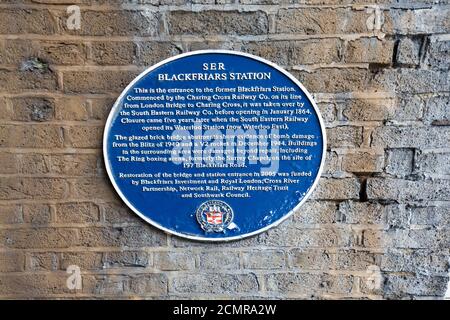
pixel 115 108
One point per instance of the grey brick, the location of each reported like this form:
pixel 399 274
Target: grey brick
pixel 438 110
pixel 166 260
pixel 312 259
pixel 120 259
pixel 264 259
pixel 399 162
pixel 417 21
pixel 411 137
pixel 397 286
pixel 312 284
pixel 397 189
pixel 213 260
pixel 438 54
pixel 408 52
pixel 218 22
pixel 213 283
pixel 353 212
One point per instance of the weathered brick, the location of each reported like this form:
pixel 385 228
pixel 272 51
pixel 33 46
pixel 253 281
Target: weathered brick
pixel 219 259
pixel 119 213
pixel 411 137
pixel 438 110
pixel 276 51
pixel 369 50
pixel 105 285
pixel 76 212
pixel 420 238
pixel 6 110
pixel 96 82
pixel 432 162
pixel 344 136
pixel 37 214
pixel 101 108
pixel 153 52
pixel 311 259
pixel 213 283
pixel 42 261
pixel 399 162
pixel 20 21
pixel 293 235
pixel 118 22
pixel 113 53
pixel 84 136
pixel 10 214
pixel 12 261
pixel 149 284
pixel 120 259
pixel 398 216
pixel 409 107
pixel 417 21
pixel 328 112
pixel 337 189
pixel 332 164
pixel 438 54
pixel 371 282
pixel 397 189
pixel 140 236
pixel 315 51
pixel 408 52
pixel 396 286
pixel 31 136
pixel 33 285
pixel 32 109
pixel 369 109
pixel 402 80
pixel 53 52
pixel 19 81
pixel 32 188
pixel 356 259
pixel 39 238
pixel 371 238
pixel 321 21
pixel 166 260
pixel 34 163
pixel 361 162
pixel 417 261
pixel 311 284
pixel 218 22
pixel 313 212
pixel 297 52
pixel 83 260
pixel 264 259
pixel 334 79
pixel 431 216
pixel 93 188
pixel 9 163
pixel 74 164
pixel 71 108
pixel 353 212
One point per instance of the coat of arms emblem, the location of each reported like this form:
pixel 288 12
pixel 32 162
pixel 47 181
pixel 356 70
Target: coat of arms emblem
pixel 214 215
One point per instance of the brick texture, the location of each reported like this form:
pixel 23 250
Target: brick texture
pixel 379 71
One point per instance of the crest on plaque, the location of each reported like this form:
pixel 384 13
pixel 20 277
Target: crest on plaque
pixel 214 215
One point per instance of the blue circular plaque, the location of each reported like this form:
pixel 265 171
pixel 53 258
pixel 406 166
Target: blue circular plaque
pixel 214 145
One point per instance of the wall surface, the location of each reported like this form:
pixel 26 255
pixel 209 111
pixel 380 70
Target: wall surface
pixel 377 226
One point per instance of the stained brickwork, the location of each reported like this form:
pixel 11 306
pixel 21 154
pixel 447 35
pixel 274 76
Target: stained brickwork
pixel 378 225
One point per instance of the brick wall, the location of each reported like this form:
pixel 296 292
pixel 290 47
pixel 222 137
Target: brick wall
pixel 379 70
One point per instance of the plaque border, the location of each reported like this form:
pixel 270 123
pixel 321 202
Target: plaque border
pixel 115 109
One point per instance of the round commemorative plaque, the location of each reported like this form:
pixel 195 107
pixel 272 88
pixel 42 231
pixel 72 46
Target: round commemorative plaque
pixel 214 145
